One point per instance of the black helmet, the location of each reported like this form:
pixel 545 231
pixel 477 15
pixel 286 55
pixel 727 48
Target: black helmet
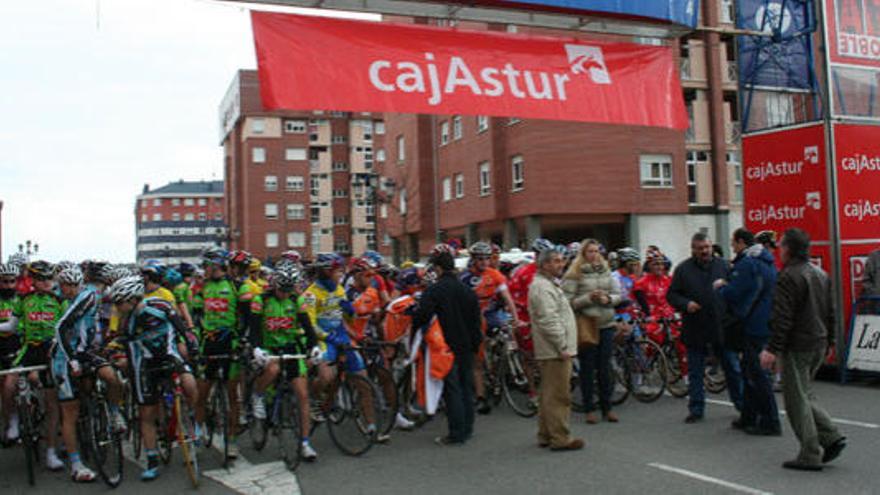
pixel 41 270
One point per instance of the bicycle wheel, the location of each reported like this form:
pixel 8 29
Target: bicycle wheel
pixel 29 441
pixel 518 389
pixel 647 370
pixel 620 377
pixel 676 381
pixel 164 441
pixel 108 446
pixel 714 379
pixel 354 403
pixel 220 417
pixel 186 438
pixel 388 407
pixel 288 429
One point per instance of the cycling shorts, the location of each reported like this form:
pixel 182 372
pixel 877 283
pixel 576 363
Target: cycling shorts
pixel 150 374
pixel 339 339
pixel 9 347
pixel 64 382
pixel 210 369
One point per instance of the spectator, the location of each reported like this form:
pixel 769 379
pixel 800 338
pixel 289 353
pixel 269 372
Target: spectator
pixel 871 279
pixel 458 312
pixel 802 329
pixel 594 293
pixel 555 338
pixel 691 294
pixel 749 297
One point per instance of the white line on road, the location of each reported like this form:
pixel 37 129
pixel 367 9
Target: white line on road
pixel 709 479
pixel 848 422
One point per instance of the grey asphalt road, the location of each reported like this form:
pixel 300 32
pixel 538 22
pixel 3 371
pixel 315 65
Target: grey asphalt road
pixel 650 451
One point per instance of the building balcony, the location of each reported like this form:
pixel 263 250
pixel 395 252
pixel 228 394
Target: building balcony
pixel 732 75
pixel 733 132
pixel 685 69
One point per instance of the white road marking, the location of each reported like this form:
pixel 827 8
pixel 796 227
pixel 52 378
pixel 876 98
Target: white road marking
pixel 709 479
pixel 272 478
pixel 848 422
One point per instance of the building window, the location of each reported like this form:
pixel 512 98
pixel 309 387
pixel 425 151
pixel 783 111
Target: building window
pixel 485 179
pixel 513 120
pixel 296 211
pixel 203 216
pixel 692 177
pixel 518 173
pixel 734 161
pixel 459 186
pixel 258 155
pixel 296 239
pixel 447 189
pixel 144 217
pixel 295 154
pixel 271 239
pixel 656 170
pixel 203 202
pixel 341 246
pixel 271 183
pixel 340 166
pixel 157 217
pixel 315 213
pixel 379 128
pixel 189 217
pixel 340 193
pixel 482 123
pixel 218 216
pixel 258 126
pixel 175 201
pixel 295 126
pixel 380 154
pixel 401 149
pixel 271 211
pixel 340 220
pixel 339 139
pixel 314 185
pixel 295 183
pixel 403 201
pixel 444 132
pixel 383 210
pixel 456 127
pixel 189 202
pixel 157 202
pixel 143 203
pixel 175 217
pixel 780 109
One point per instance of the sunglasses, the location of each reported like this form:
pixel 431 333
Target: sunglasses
pixel 7 280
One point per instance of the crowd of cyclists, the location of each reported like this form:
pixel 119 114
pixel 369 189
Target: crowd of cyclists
pixel 228 321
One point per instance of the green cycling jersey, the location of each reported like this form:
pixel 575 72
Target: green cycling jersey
pixel 220 307
pixel 278 320
pixel 37 314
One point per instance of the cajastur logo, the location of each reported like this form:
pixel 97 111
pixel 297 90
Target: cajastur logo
pixel 862 209
pixel 811 155
pixel 859 163
pixel 588 60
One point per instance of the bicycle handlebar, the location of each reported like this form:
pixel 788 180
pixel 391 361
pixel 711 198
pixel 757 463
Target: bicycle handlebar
pixel 23 369
pixel 288 357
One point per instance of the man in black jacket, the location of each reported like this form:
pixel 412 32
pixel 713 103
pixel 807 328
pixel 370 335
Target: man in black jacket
pixel 691 293
pixel 458 311
pixel 802 329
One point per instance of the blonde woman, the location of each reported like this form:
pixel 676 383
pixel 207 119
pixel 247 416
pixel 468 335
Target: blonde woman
pixel 593 292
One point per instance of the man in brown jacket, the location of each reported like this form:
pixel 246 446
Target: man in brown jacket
pixel 555 336
pixel 802 328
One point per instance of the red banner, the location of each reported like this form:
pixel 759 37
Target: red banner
pixel 786 182
pixel 360 66
pixel 854 31
pixel 858 180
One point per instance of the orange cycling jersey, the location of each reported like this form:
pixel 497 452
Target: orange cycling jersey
pixel 397 319
pixel 365 306
pixel 487 285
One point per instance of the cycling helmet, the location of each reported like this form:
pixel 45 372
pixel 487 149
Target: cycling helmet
pixel 64 265
pixel 654 254
pixel 117 273
pixel 292 256
pixel 628 254
pixel 574 248
pixel 153 270
pixel 41 269
pixel 389 271
pixel 255 265
pixel 541 244
pixel 239 257
pixel 186 269
pixel 360 265
pixel 284 280
pixel 172 277
pixel 215 256
pixel 18 259
pixel 8 270
pixel 126 288
pixel 71 276
pixel 496 249
pixel 328 261
pixel 375 258
pixel 443 248
pixel 480 249
pixel 409 278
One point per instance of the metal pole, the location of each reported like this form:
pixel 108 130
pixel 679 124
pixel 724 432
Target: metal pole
pixel 435 166
pixel 833 197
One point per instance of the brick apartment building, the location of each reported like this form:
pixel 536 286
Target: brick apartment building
pixel 177 221
pixel 512 180
pixel 303 180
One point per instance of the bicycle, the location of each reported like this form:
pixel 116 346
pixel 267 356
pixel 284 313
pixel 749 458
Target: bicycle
pixel 384 380
pixel 676 371
pixel 506 376
pixel 217 413
pixel 283 418
pixel 643 365
pixel 99 439
pixel 31 413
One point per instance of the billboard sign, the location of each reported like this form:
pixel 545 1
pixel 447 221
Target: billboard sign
pixel 783 60
pixel 858 180
pixel 854 32
pixel 682 12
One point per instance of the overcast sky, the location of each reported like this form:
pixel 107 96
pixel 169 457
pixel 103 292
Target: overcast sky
pixel 99 97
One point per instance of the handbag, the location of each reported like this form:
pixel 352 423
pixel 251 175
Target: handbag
pixel 588 331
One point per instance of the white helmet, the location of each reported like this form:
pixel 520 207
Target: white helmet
pixel 126 288
pixel 71 276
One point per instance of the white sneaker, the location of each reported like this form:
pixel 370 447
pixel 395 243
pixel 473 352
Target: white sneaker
pixel 81 474
pixel 234 453
pixel 401 423
pixel 259 406
pixel 119 422
pixel 12 431
pixel 308 452
pixel 53 463
pixel 202 433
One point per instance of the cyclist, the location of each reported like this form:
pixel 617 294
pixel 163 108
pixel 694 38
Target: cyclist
pixel 153 272
pixel 280 325
pixel 150 335
pixel 326 305
pixel 77 339
pixel 650 291
pixel 254 284
pixel 627 274
pixel 219 336
pixel 37 314
pixel 364 298
pixel 239 261
pixel 24 285
pixel 9 345
pixel 182 291
pixel 490 286
pixel 495 260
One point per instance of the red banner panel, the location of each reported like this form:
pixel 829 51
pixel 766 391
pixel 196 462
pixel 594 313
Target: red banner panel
pixel 332 64
pixel 854 31
pixel 858 180
pixel 785 181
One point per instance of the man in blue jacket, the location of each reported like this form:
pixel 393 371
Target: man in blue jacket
pixel 748 292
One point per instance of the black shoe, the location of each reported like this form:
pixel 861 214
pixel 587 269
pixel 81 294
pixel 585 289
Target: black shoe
pixel 693 418
pixel 833 451
pixel 483 406
pixel 775 431
pixel 445 441
pixel 799 465
pixel 740 424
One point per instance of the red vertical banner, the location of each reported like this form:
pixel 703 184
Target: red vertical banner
pixel 786 181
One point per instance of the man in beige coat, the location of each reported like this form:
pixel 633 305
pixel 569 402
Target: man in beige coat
pixel 555 336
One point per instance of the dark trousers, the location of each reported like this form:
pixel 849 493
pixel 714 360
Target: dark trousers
pixel 593 359
pixel 458 393
pixel 696 369
pixel 759 403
